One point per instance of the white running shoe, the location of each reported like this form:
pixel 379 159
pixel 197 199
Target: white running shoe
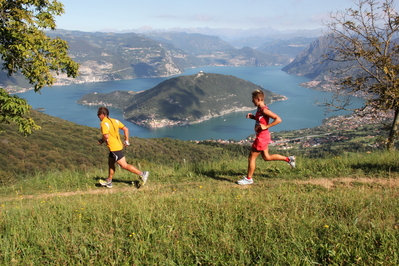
pixel 105 183
pixel 291 162
pixel 144 177
pixel 245 181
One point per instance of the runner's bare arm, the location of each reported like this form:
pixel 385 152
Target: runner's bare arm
pixel 126 133
pixel 276 119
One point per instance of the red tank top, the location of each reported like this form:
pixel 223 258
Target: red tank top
pixel 261 119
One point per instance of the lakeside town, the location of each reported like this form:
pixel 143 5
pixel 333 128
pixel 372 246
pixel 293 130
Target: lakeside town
pixel 330 127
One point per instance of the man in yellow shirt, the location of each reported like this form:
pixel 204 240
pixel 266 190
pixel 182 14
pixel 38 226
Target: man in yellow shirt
pixel 110 135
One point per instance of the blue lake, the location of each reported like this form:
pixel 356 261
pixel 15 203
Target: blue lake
pixel 298 112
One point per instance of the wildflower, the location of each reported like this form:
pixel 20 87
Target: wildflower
pixel 326 226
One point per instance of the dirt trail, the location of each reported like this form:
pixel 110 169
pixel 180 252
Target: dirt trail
pixel 71 193
pixel 346 181
pixel 324 182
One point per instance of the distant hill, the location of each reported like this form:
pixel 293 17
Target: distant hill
pixel 194 43
pixel 214 51
pixel 313 63
pixel 290 48
pixel 259 37
pixel 238 38
pixel 183 100
pixel 13 83
pixel 111 56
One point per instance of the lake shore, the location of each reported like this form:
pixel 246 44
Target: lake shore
pixel 298 111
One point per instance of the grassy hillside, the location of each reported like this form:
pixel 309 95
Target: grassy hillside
pixel 341 211
pixel 63 145
pixel 58 145
pixel 331 210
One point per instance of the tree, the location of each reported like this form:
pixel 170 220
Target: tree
pixel 366 48
pixel 25 48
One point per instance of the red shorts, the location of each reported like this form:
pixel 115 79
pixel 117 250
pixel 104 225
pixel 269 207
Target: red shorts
pixel 262 141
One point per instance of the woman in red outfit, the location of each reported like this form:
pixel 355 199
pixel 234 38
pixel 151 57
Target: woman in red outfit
pixel 262 140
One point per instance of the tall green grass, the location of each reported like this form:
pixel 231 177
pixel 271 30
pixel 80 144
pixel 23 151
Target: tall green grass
pixel 194 214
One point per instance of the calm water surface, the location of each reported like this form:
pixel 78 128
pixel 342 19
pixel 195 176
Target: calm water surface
pixel 298 112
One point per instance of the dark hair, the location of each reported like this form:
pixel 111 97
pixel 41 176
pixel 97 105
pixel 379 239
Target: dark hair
pixel 103 110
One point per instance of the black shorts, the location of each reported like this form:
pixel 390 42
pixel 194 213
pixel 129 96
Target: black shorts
pixel 116 155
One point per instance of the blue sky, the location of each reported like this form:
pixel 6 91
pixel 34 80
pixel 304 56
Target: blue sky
pixel 96 15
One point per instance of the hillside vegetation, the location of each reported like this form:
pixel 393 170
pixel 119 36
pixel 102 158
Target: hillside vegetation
pixel 182 100
pixel 332 209
pixel 62 145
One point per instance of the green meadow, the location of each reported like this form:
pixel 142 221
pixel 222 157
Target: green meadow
pixel 341 210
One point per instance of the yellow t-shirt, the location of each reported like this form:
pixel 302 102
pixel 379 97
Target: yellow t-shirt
pixel 111 127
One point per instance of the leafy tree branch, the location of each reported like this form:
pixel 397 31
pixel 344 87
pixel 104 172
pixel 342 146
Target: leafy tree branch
pixel 25 48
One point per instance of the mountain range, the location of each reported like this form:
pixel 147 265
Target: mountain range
pixel 238 38
pixel 118 56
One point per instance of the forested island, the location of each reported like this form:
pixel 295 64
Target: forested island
pixel 182 100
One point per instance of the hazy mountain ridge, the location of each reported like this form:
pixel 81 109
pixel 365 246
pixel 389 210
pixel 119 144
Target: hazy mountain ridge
pixel 109 56
pixel 238 38
pixel 290 48
pixel 183 100
pixel 195 43
pixel 313 63
pixel 119 56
